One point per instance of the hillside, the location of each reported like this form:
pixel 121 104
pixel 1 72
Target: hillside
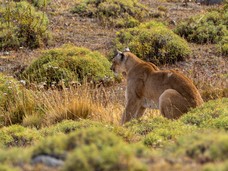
pixel 60 105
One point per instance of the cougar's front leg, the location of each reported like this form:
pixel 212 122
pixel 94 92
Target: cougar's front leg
pixel 133 102
pixel 132 106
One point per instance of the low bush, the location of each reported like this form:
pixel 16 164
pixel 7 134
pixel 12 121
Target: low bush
pixel 40 3
pixel 167 134
pixel 158 131
pixel 223 45
pixel 68 64
pixel 68 126
pixel 203 146
pixel 221 166
pixel 212 114
pixel 4 167
pixel 212 93
pixel 37 3
pixel 108 158
pixel 125 13
pixel 153 42
pixel 210 27
pixel 145 126
pixel 207 28
pixel 15 156
pixel 18 136
pixel 58 145
pixel 22 26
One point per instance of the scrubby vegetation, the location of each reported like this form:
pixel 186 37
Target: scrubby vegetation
pixel 207 28
pixel 213 114
pixel 22 26
pixel 125 13
pixel 68 65
pixel 37 3
pixel 153 42
pixel 204 146
pixel 56 112
pixel 90 145
pixel 17 135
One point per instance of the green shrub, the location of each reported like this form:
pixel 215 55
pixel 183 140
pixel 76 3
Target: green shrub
pixel 8 168
pixel 36 3
pixel 108 158
pixel 22 25
pixel 158 131
pixel 223 45
pixel 153 42
pixel 167 134
pixel 208 28
pixel 68 64
pixel 40 3
pixel 212 114
pixel 18 136
pixel 145 126
pixel 222 166
pixel 15 156
pixel 118 13
pixel 203 146
pixel 58 145
pixel 16 102
pixel 54 146
pixel 68 126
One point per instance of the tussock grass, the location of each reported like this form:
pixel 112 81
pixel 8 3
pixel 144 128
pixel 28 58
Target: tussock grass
pixel 44 108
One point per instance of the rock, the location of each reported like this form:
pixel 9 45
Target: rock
pixel 47 160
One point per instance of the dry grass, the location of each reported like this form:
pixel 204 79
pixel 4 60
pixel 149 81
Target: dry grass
pixel 42 108
pixel 82 102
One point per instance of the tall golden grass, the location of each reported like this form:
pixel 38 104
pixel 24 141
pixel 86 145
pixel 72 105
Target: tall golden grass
pixel 38 108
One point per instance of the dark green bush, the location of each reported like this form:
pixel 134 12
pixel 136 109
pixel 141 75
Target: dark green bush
pixel 68 64
pixel 153 42
pixel 208 28
pixel 22 26
pixel 118 13
pixel 212 114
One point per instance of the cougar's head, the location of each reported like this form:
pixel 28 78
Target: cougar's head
pixel 118 63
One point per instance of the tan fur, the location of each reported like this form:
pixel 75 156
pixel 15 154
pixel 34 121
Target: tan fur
pixel 147 86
